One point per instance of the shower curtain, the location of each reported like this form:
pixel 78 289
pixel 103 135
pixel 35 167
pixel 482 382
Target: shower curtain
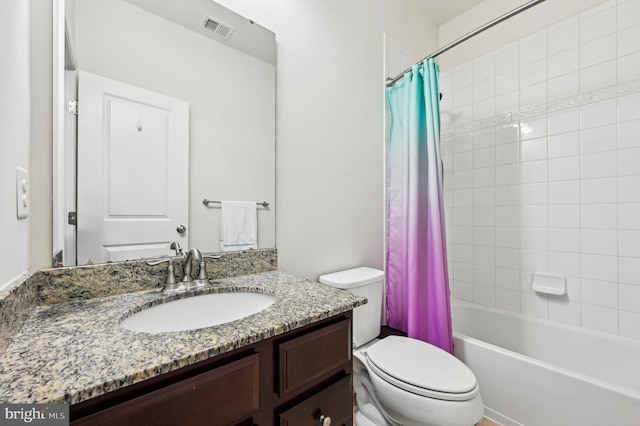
pixel 417 279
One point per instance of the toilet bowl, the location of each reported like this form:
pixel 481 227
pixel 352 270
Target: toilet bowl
pixel 416 383
pixel 399 380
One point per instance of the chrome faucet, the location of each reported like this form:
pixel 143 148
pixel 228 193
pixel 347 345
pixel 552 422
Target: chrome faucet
pixel 194 254
pixel 188 281
pixel 175 246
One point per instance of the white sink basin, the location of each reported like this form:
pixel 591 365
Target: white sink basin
pixel 197 312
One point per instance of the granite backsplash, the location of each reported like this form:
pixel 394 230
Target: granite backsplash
pixel 58 285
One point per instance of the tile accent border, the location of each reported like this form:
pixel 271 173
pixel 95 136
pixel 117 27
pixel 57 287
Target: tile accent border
pixel 594 96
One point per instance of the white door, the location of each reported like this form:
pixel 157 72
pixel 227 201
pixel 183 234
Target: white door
pixel 133 171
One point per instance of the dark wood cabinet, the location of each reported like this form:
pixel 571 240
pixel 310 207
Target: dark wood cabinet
pixel 291 379
pixel 222 396
pixel 334 402
pixel 307 358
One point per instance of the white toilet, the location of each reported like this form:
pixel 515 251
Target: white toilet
pixel 399 380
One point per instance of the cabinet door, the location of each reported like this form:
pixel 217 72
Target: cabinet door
pixel 307 358
pixel 335 402
pixel 222 396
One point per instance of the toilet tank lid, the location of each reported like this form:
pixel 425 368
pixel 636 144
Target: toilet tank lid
pixel 352 278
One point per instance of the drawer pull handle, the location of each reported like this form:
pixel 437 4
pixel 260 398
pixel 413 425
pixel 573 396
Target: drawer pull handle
pixel 325 420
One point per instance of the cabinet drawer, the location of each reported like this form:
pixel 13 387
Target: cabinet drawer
pixel 222 396
pixel 336 402
pixel 307 358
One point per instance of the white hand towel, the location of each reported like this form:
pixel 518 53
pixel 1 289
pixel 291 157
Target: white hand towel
pixel 239 227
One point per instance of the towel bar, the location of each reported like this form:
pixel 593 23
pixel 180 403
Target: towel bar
pixel 207 202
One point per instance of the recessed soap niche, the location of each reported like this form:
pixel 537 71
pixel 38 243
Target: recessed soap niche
pixel 551 284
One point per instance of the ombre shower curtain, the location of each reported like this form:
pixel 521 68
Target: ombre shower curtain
pixel 417 278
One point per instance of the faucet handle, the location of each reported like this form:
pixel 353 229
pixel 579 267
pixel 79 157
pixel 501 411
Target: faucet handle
pixel 170 281
pixel 211 256
pixel 158 260
pixel 171 274
pixel 202 273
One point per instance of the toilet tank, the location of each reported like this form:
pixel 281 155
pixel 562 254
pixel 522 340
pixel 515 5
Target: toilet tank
pixel 366 282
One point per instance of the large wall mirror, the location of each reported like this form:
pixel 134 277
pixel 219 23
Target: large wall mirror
pixel 178 101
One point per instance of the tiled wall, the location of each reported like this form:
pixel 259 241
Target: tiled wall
pixel 541 145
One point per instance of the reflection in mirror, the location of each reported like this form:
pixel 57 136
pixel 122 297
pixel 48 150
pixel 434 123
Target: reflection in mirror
pixel 216 65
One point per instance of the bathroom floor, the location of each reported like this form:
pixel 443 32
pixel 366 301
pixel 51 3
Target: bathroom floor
pixel 483 422
pixel 487 422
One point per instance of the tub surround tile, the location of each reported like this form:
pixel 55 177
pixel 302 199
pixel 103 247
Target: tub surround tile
pixel 630 324
pixel 70 352
pixel 628 14
pixel 566 170
pixel 597 107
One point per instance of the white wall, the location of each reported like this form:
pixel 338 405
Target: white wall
pixel 330 187
pixel 330 108
pixel 541 144
pixel 15 133
pixel 41 226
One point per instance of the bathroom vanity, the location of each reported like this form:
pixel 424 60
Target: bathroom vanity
pixel 292 379
pixel 289 364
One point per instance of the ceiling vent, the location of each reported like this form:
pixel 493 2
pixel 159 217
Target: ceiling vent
pixel 218 28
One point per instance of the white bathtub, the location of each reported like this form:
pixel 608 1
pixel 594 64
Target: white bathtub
pixel 536 372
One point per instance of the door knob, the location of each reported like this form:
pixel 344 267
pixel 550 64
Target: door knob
pixel 325 420
pixel 181 229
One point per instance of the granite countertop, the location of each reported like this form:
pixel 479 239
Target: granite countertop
pixel 74 351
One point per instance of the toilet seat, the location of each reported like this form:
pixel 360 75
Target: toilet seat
pixel 422 369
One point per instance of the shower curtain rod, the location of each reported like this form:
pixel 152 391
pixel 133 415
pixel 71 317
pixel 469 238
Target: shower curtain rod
pixel 391 81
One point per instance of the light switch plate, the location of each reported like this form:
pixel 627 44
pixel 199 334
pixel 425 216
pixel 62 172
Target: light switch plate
pixel 23 192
